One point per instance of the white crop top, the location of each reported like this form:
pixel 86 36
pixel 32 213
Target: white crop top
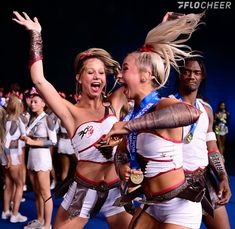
pixel 162 154
pixel 86 137
pixel 195 153
pixel 19 130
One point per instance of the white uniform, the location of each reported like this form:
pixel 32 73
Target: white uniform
pixel 64 143
pixel 86 137
pixel 195 154
pixel 164 155
pixel 14 129
pixel 39 158
pixel 84 140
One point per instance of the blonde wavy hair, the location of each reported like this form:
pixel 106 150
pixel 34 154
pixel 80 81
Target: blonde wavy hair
pixel 164 47
pixel 2 128
pixel 14 108
pixel 111 65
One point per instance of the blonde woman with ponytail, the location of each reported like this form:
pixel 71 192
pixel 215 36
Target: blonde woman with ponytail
pixel 150 156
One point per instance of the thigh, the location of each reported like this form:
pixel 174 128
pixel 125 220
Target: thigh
pixel 220 219
pixel 120 220
pixel 142 220
pixel 177 211
pixel 64 159
pixel 32 177
pixel 7 179
pixel 43 180
pixel 16 174
pixel 63 221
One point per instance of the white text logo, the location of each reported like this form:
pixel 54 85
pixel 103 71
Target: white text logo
pixel 205 5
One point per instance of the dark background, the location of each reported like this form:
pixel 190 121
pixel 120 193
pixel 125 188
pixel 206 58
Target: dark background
pixel 119 26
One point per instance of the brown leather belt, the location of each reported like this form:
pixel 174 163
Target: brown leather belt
pixel 199 181
pixel 102 189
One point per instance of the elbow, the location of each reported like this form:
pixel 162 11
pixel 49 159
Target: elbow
pixel 193 112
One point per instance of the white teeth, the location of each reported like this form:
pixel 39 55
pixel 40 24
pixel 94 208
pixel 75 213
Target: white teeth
pixel 95 84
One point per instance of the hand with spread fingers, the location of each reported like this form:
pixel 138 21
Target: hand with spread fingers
pixel 27 22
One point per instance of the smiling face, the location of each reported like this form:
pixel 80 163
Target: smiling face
pixel 191 76
pixel 92 77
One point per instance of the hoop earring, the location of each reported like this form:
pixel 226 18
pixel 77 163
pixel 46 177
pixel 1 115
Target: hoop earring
pixel 104 92
pixel 78 89
pixel 114 85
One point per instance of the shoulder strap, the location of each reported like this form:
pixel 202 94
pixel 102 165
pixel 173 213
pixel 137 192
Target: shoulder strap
pixel 31 126
pixel 108 106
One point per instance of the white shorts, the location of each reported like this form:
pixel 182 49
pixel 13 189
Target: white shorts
pixel 65 146
pixel 177 211
pixel 14 154
pixel 39 159
pixel 107 209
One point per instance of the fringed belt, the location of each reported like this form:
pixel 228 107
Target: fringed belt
pixel 102 189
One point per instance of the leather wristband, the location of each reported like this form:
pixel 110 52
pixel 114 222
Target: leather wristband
pixel 217 163
pixel 35 50
pixel 176 115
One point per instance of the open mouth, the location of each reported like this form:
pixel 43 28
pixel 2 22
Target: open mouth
pixel 125 91
pixel 96 86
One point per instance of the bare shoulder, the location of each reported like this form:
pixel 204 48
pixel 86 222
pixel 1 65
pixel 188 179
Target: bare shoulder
pixel 205 104
pixel 207 107
pixel 166 101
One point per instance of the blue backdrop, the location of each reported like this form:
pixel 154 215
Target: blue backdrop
pixel 120 26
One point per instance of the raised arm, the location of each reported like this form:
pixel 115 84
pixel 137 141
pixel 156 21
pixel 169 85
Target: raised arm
pixel 47 91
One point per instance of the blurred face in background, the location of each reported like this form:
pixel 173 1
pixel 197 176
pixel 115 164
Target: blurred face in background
pixel 37 104
pixel 191 76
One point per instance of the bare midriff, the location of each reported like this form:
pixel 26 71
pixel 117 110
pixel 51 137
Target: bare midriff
pixel 163 183
pixel 97 172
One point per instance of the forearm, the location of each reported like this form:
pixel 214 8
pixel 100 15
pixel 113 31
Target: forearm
pixel 217 164
pixel 36 57
pixel 44 143
pixel 176 115
pixel 45 88
pixel 35 51
pixel 120 159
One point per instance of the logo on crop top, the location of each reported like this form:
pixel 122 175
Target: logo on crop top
pixel 88 131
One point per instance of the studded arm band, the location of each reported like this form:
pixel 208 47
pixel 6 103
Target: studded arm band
pixel 217 163
pixel 176 115
pixel 35 51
